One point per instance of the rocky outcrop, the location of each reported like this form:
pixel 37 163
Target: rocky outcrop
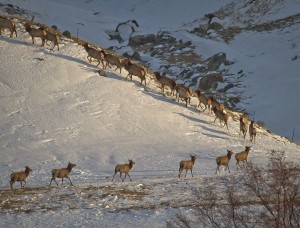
pixel 210 81
pixel 139 40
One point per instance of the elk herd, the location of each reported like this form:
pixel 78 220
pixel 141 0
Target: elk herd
pixel 179 91
pixel 125 168
pixel 110 59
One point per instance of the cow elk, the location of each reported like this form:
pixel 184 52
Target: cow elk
pixel 252 132
pixel 224 160
pixel 242 156
pixel 11 25
pixel 19 176
pixel 62 173
pixel 164 81
pixel 187 165
pixel 123 168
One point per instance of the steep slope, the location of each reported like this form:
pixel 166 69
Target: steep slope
pixel 248 26
pixel 55 108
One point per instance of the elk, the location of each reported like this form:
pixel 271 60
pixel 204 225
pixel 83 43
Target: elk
pixel 187 164
pixel 11 25
pixel 134 69
pixel 123 168
pixel 95 54
pixel 112 59
pixel 243 126
pixel 204 100
pixel 164 81
pixel 221 116
pixel 252 131
pixel 215 103
pixel 54 37
pixel 62 173
pixel 189 90
pixel 242 156
pixel 34 32
pixel 19 176
pixel 224 160
pixel 184 93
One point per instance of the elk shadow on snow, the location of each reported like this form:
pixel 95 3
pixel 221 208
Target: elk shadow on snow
pixel 14 41
pixel 158 96
pixel 66 57
pixel 192 118
pixel 215 133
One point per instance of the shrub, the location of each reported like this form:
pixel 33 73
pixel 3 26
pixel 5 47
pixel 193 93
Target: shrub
pixel 262 197
pixel 67 34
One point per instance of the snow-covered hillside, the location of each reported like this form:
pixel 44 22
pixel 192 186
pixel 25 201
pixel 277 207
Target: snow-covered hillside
pixel 267 54
pixel 55 108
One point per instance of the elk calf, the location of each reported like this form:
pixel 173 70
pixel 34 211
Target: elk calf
pixel 242 156
pixel 62 173
pixel 124 168
pixel 187 164
pixel 224 160
pixel 252 131
pixel 19 176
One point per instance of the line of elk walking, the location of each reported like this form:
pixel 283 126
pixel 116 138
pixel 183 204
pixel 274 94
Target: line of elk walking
pixel 179 91
pixel 108 59
pixel 186 165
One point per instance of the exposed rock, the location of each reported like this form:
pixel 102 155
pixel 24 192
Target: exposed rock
pixel 215 26
pixel 209 16
pixel 210 81
pixel 13 9
pixel 139 40
pixel 186 74
pixel 216 61
pixel 116 37
pixel 101 73
pixel 126 29
pixel 135 56
pixel 226 88
pixel 233 101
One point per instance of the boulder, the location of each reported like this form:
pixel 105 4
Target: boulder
pixel 135 56
pixel 216 61
pixel 210 81
pixel 215 26
pixel 139 40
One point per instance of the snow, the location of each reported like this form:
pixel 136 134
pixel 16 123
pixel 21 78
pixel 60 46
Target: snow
pixel 60 110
